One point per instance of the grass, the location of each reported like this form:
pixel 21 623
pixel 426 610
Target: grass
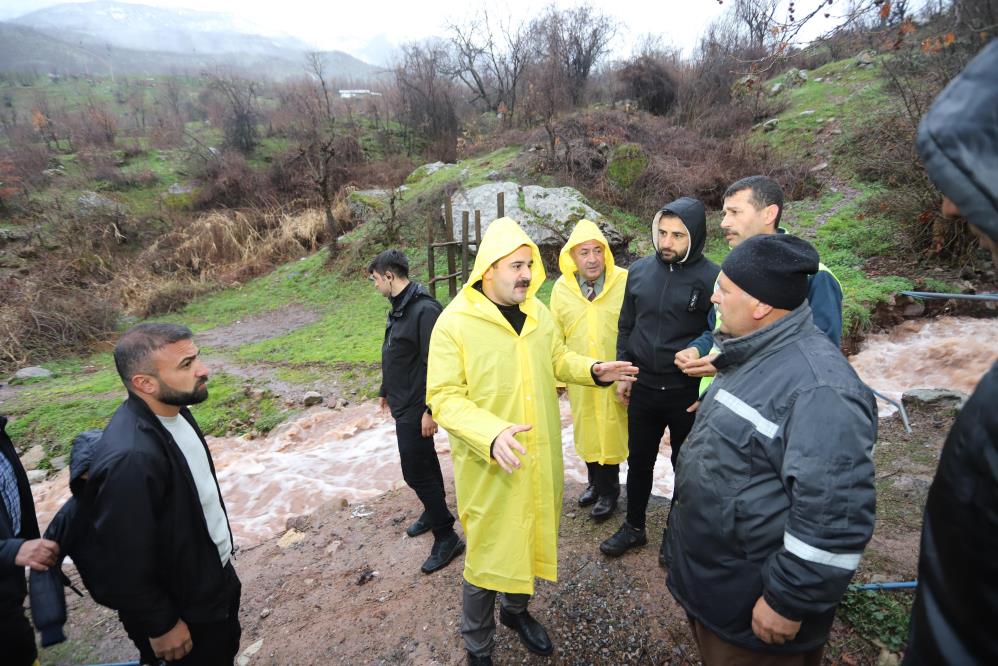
pixel 880 617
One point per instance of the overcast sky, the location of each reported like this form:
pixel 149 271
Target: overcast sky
pixel 361 27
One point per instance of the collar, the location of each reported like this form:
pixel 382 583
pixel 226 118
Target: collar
pixel 735 351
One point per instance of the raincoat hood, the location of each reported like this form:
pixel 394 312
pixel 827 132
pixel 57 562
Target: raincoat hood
pixel 501 238
pixel 958 141
pixel 694 216
pixel 584 232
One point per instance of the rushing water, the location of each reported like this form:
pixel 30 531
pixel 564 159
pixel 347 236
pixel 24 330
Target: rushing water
pixel 351 454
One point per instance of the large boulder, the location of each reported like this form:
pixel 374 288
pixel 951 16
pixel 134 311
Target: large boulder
pixel 91 203
pixel 547 214
pixel 627 162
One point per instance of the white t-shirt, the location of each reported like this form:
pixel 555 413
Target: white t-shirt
pixel 197 460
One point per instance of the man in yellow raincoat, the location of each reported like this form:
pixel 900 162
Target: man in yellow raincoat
pixel 494 355
pixel 586 303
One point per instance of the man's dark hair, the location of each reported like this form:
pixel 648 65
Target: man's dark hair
pixel 765 192
pixel 136 345
pixel 390 260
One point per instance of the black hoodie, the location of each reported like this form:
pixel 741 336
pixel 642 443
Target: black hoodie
pixel 666 305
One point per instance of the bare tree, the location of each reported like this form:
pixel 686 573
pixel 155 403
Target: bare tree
pixel 758 17
pixel 489 58
pixel 240 110
pixel 426 97
pixel 577 39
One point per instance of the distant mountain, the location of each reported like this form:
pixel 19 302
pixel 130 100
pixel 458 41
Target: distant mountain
pixel 101 37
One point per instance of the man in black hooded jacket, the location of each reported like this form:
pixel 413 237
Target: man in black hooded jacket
pixel 665 308
pixel 953 618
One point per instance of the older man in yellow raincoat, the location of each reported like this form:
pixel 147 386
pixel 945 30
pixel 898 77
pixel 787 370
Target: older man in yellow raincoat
pixel 495 354
pixel 585 303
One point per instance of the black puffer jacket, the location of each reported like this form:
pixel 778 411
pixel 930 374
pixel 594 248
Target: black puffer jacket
pixel 775 486
pixel 404 352
pixel 148 521
pixel 12 585
pixel 72 529
pixel 666 305
pixel 956 606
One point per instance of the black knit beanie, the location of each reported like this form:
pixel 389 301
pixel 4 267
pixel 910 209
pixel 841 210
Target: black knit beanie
pixel 773 268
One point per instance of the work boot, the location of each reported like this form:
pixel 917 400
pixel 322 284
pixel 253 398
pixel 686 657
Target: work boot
pixel 421 526
pixel 479 661
pixel 532 634
pixel 444 550
pixel 588 496
pixel 605 507
pixel 623 540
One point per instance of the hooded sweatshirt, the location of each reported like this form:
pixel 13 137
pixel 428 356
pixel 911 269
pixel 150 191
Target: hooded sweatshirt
pixel 665 305
pixel 953 617
pixel 482 378
pixel 590 328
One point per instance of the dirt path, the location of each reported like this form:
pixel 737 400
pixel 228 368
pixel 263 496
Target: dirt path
pixel 350 591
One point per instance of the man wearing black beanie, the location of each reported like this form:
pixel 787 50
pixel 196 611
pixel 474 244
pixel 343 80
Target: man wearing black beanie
pixel 775 483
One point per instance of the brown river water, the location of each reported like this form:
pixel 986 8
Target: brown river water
pixel 351 454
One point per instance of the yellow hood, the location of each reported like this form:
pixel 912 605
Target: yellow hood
pixel 583 232
pixel 501 238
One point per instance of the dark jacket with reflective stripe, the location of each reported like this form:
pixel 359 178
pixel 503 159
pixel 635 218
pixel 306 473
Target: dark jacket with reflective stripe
pixel 404 352
pixel 12 586
pixel 775 485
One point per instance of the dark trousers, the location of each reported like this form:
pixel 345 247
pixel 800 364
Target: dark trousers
pixel 17 638
pixel 649 413
pixel 215 643
pixel 606 479
pixel 421 471
pixel 715 651
pixel 478 616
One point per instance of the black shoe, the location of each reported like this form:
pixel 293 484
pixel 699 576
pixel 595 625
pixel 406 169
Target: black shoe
pixel 589 496
pixel 444 550
pixel 623 540
pixel 531 632
pixel 421 526
pixel 479 661
pixel 605 507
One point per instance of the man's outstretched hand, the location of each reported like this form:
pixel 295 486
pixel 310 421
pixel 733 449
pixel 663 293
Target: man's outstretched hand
pixel 505 446
pixel 615 371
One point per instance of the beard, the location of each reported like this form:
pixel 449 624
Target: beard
pixel 669 257
pixel 171 396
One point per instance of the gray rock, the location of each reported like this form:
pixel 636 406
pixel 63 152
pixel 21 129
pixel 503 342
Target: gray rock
pixel 32 372
pixel 912 310
pixel 13 234
pixel 776 89
pixel 866 59
pixel 493 175
pixel 312 398
pixel 54 173
pixel 546 214
pixel 937 397
pixel 36 476
pixel 180 188
pixel 33 456
pixel 433 167
pixel 91 202
pixel 819 167
pixel 795 77
pixel 59 463
pixel 808 112
pixel 818 79
pixel 770 124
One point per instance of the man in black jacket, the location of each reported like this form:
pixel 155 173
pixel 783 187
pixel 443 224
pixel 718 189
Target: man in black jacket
pixel 953 618
pixel 20 547
pixel 666 302
pixel 403 390
pixel 157 510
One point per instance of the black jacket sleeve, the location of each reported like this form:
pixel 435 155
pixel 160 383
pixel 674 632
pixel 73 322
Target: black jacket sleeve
pixel 125 508
pixel 625 324
pixel 828 469
pixel 47 588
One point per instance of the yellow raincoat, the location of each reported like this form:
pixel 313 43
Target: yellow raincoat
pixel 482 378
pixel 590 328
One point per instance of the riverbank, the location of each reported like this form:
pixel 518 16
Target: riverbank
pixel 343 585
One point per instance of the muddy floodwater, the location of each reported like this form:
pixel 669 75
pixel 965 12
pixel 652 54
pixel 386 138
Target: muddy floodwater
pixel 327 455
